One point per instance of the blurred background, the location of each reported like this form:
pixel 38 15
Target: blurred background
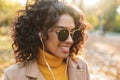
pixel 101 48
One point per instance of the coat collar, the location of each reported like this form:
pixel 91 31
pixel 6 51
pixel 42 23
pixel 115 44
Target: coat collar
pixel 32 71
pixel 77 64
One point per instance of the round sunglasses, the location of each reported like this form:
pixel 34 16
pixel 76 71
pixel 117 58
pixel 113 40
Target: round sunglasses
pixel 63 35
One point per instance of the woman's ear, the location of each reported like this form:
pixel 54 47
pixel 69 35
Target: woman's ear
pixel 43 36
pixel 40 36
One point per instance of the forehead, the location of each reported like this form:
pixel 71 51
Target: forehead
pixel 66 21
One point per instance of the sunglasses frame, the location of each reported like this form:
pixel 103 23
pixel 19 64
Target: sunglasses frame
pixel 69 33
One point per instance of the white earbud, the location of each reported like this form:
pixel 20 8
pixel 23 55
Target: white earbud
pixel 39 34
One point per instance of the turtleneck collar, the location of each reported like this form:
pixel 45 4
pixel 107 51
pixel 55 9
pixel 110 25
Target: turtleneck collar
pixel 52 60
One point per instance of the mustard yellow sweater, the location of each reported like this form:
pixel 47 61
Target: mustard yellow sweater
pixel 57 65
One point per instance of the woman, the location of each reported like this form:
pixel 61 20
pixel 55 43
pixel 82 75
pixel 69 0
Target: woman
pixel 48 38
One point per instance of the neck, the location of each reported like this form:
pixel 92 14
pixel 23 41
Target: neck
pixel 52 66
pixel 52 60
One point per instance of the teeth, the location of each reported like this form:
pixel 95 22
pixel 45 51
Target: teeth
pixel 66 48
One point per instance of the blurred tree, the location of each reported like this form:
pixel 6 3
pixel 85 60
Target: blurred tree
pixel 106 13
pixel 7 11
pixel 109 15
pixel 117 23
pixel 107 9
pixel 102 14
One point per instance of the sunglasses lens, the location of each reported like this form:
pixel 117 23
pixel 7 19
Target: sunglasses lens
pixel 77 35
pixel 63 35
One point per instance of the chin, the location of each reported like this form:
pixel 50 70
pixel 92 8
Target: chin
pixel 64 56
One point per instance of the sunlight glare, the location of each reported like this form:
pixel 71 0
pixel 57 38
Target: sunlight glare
pixel 22 2
pixel 118 9
pixel 90 3
pixel 68 1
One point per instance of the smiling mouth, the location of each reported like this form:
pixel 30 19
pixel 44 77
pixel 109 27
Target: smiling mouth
pixel 65 49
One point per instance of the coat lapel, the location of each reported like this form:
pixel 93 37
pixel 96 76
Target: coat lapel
pixel 33 72
pixel 76 70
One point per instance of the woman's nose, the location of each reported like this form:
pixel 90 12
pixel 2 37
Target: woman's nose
pixel 69 39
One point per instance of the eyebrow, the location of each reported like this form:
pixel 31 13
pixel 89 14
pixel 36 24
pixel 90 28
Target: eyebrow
pixel 60 27
pixel 64 27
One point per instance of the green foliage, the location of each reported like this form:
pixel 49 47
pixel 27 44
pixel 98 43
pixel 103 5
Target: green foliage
pixel 6 56
pixel 92 19
pixel 117 23
pixel 5 39
pixel 107 9
pixel 7 11
pixel 109 17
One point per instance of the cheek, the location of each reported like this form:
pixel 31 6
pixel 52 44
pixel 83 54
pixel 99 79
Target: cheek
pixel 53 38
pixel 52 42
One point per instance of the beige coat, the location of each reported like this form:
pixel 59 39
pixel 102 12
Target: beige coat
pixel 77 71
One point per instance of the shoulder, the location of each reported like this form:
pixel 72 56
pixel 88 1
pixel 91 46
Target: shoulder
pixel 19 66
pixel 78 66
pixel 78 59
pixel 13 71
pixel 15 67
pixel 77 62
pixel 18 71
pixel 81 59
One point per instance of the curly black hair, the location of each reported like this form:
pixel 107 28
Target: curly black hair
pixel 38 17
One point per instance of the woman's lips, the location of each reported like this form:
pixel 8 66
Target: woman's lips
pixel 65 49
